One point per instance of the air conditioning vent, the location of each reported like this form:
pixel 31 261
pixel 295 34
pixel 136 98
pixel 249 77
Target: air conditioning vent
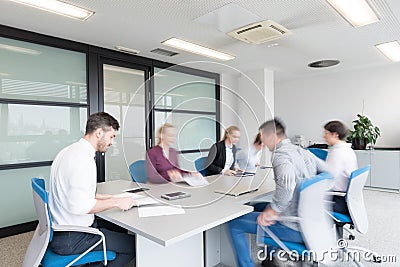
pixel 164 52
pixel 261 32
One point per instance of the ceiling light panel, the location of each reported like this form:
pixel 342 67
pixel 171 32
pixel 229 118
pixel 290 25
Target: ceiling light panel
pixel 58 7
pixel 391 50
pixel 197 49
pixel 357 12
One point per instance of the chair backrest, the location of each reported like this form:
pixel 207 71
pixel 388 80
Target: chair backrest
pixel 319 153
pixel 315 223
pixel 200 165
pixel 138 171
pixel 355 199
pixel 42 236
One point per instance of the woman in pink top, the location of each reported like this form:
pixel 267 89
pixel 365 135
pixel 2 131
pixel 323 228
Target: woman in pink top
pixel 162 160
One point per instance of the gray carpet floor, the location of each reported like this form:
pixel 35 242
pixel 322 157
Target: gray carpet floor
pixel 383 236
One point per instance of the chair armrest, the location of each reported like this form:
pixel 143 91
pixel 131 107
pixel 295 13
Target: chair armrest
pixel 341 194
pixel 330 215
pixel 74 228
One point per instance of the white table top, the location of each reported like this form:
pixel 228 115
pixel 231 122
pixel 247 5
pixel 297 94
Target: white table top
pixel 204 210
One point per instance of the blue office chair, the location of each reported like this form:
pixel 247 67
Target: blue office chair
pixel 138 171
pixel 200 165
pixel 40 253
pixel 319 153
pixel 357 217
pixel 315 224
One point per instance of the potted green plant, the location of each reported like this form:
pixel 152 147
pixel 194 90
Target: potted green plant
pixel 364 133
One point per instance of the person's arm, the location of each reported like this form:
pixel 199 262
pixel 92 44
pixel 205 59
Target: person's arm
pixel 285 183
pixel 211 167
pixel 152 174
pixel 124 203
pixel 103 196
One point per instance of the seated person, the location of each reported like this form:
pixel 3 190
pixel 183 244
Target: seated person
pixel 341 161
pixel 72 194
pixel 162 164
pixel 291 165
pixel 222 156
pixel 249 159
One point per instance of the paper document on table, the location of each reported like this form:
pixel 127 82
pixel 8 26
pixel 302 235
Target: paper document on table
pixel 195 180
pixel 159 211
pixel 140 199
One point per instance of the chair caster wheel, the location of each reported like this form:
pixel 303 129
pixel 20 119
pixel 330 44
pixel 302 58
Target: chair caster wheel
pixel 352 227
pixel 376 259
pixel 352 237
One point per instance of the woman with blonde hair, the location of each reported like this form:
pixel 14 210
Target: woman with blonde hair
pixel 222 156
pixel 162 164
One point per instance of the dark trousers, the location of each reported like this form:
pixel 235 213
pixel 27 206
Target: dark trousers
pixel 66 243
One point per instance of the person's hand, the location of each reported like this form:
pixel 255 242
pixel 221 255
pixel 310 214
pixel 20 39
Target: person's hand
pixel 125 203
pixel 229 172
pixel 267 217
pixel 175 176
pixel 194 173
pixel 258 164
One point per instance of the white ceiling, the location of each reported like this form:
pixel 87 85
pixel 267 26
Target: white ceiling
pixel 318 31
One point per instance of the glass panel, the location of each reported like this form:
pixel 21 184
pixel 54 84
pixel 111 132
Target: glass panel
pixel 176 90
pixel 37 72
pixel 194 131
pixel 124 98
pixel 32 133
pixel 16 205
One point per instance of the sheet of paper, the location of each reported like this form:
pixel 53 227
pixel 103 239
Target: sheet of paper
pixel 195 180
pixel 140 199
pixel 159 211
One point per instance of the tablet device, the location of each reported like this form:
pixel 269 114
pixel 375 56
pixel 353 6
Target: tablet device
pixel 175 195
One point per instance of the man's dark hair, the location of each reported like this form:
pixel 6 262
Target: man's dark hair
pixel 101 120
pixel 337 127
pixel 273 126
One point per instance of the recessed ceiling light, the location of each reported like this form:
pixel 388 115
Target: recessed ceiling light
pixel 324 63
pixel 197 49
pixel 127 50
pixel 357 12
pixel 391 50
pixel 19 49
pixel 58 7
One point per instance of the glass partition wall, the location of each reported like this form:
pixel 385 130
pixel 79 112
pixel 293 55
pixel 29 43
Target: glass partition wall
pixel 48 86
pixel 189 102
pixel 43 107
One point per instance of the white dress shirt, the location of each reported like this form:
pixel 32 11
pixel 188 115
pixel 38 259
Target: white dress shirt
pixel 247 159
pixel 228 157
pixel 72 185
pixel 341 162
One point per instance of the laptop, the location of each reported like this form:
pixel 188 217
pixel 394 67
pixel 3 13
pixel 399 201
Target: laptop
pixel 237 186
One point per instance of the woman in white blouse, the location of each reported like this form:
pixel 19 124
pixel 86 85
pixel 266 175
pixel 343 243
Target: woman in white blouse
pixel 248 159
pixel 341 161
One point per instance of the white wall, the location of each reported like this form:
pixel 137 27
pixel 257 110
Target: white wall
pixel 307 104
pixel 247 101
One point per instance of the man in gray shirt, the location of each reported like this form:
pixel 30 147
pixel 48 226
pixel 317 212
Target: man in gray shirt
pixel 291 164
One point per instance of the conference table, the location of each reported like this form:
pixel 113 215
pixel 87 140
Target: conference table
pixel 197 237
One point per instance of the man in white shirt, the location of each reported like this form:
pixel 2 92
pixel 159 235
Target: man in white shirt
pixel 341 161
pixel 72 193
